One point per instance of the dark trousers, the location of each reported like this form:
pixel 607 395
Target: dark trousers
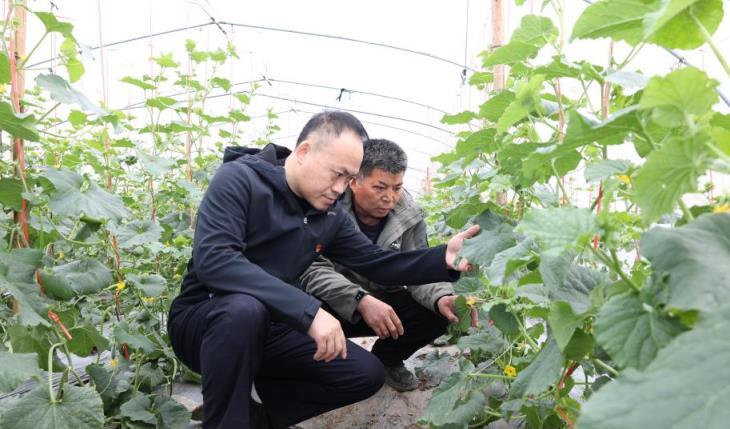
pixel 231 341
pixel 420 327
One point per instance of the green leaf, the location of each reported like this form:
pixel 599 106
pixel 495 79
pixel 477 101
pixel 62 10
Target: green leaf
pixel 123 333
pixel 563 322
pixel 606 168
pixel 109 384
pixel 53 25
pixel 156 166
pixel 533 33
pixel 36 339
pixel 221 83
pixel 673 27
pixel 171 414
pixel 526 100
pixel 579 345
pixel 511 53
pixel 166 60
pixel 685 387
pixel 493 108
pixel 542 372
pixel 152 285
pixel 631 82
pixel 559 229
pixel 668 173
pixel 138 409
pixel 617 19
pixel 683 92
pixel 575 287
pixel 632 332
pixel 10 193
pixel 87 341
pixel 459 118
pixel 78 196
pixel 137 233
pixel 4 68
pixel 463 311
pixel 504 320
pixel 75 408
pixel 17 276
pixel 21 126
pixel 455 401
pixel 482 342
pixel 15 368
pixel 509 260
pixel 161 103
pixel 62 92
pixel 693 260
pixel 494 236
pixel 76 278
pixel 137 82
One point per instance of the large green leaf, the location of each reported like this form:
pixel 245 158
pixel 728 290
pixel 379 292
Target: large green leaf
pixel 458 118
pixel 542 372
pixel 10 193
pixel 675 97
pixel 559 229
pixel 155 165
pixel 526 100
pixel 606 168
pixel 110 384
pixel 673 26
pixel 495 236
pixel 137 233
pixel 494 107
pixel 170 413
pixel 685 387
pixel 151 285
pixel 76 278
pixel 53 25
pixel 36 339
pixel 563 322
pixel 136 82
pixel 75 408
pixel 86 341
pixel 573 285
pixel 15 368
pixel 21 126
pixel 4 68
pixel 455 401
pixel 632 332
pixel 78 196
pixel 124 333
pixel 139 409
pixel 669 172
pixel 693 260
pixel 533 33
pixel 17 276
pixel 507 261
pixel 617 19
pixel 486 342
pixel 62 92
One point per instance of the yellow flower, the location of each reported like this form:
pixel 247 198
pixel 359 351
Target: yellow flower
pixel 624 178
pixel 722 208
pixel 510 371
pixel 114 362
pixel 148 299
pixel 470 301
pixel 121 286
pixel 2 88
pixel 61 255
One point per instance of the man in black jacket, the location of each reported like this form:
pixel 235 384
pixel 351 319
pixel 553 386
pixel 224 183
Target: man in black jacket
pixel 240 317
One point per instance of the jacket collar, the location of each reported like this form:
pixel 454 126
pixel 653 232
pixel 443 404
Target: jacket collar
pixel 404 215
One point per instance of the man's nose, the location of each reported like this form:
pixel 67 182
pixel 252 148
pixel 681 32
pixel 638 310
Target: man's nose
pixel 339 186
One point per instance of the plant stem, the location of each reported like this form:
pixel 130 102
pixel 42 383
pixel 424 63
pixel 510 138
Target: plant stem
pixel 560 183
pixel 688 214
pixel 716 150
pixel 494 376
pixel 50 372
pixel 25 60
pixel 71 368
pixel 606 366
pixel 708 39
pixel 527 336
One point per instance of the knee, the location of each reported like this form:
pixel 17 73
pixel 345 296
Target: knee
pixel 371 376
pixel 240 314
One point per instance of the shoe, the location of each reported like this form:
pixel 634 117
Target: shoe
pixel 400 379
pixel 258 419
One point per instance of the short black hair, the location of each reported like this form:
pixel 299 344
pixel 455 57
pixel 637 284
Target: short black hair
pixel 333 122
pixel 384 155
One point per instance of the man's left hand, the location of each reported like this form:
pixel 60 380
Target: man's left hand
pixel 453 247
pixel 446 307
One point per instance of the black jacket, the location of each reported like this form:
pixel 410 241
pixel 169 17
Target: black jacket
pixel 252 236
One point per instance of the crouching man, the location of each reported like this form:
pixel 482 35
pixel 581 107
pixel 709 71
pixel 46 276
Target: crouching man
pixel 404 318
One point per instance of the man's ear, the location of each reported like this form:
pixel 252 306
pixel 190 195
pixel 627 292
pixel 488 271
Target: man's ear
pixel 302 150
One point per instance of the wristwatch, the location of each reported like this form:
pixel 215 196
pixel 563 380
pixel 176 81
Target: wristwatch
pixel 360 295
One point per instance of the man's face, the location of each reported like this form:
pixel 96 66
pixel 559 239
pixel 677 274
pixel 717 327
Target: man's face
pixel 377 193
pixel 326 168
